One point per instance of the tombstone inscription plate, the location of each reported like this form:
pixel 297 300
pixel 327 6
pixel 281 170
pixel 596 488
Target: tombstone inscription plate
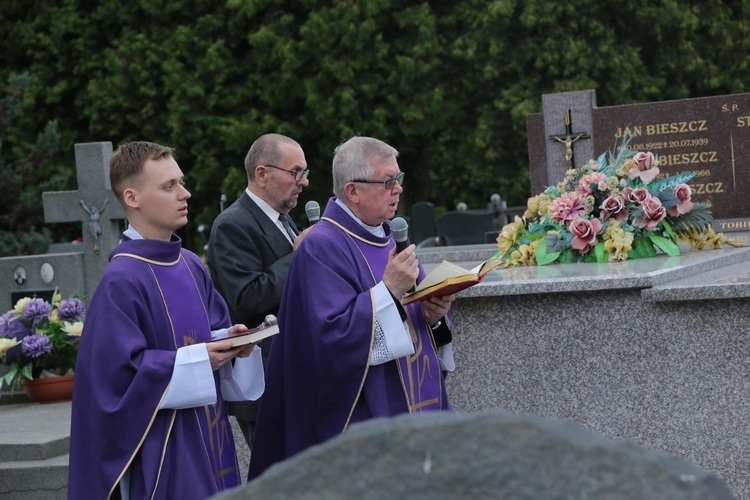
pixel 709 136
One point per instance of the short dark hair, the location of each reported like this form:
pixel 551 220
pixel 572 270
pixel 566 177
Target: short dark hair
pixel 128 160
pixel 266 151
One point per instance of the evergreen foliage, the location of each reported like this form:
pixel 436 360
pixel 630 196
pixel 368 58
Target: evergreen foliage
pixel 26 172
pixel 449 84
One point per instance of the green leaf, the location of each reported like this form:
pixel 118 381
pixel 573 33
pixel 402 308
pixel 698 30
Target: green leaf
pixel 667 246
pixel 10 376
pixel 632 254
pixel 668 230
pixel 671 182
pixel 567 257
pixel 643 247
pixel 699 218
pixel 28 371
pixel 542 257
pixel 600 253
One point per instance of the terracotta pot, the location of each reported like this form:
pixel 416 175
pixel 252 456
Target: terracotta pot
pixel 49 390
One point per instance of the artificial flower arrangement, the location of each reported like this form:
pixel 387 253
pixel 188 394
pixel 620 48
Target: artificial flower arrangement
pixel 40 339
pixel 611 209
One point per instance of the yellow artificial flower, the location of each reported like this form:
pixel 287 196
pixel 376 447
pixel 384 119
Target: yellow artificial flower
pixel 622 170
pixel 532 207
pixel 617 241
pixel 709 239
pixel 7 344
pixel 511 234
pixel 524 256
pixel 544 202
pixel 21 304
pixel 73 329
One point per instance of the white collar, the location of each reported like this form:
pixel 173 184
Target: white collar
pixel 131 233
pixel 271 212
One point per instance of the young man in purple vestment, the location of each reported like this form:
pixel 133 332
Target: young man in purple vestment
pixel 348 350
pixel 149 418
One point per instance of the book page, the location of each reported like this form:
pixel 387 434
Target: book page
pixel 444 271
pixel 491 263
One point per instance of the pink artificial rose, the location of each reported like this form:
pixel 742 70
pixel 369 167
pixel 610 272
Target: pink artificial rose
pixel 584 232
pixel 636 196
pixel 614 206
pixel 646 168
pixel 584 185
pixel 682 192
pixel 653 213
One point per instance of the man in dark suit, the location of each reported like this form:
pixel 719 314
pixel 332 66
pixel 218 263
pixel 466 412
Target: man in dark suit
pixel 252 242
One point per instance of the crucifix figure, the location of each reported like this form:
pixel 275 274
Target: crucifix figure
pixel 95 229
pixel 568 138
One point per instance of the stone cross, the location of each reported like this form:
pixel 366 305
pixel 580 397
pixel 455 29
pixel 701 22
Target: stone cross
pixel 94 205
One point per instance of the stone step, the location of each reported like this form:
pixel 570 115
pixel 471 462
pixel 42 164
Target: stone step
pixel 35 479
pixel 34 445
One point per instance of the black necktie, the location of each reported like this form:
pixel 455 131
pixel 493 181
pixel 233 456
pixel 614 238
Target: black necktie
pixel 287 223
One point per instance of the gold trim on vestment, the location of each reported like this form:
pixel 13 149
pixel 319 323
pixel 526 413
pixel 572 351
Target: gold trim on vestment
pixel 409 389
pixel 144 259
pixel 354 235
pixel 158 407
pixel 372 326
pixel 164 453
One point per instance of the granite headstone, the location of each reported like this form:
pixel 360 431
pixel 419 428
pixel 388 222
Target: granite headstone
pixel 709 136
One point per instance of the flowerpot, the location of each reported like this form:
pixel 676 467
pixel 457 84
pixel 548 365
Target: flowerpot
pixel 49 390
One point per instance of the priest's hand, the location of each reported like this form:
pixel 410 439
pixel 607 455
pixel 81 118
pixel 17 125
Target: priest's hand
pixel 221 351
pixel 436 307
pixel 239 329
pixel 402 270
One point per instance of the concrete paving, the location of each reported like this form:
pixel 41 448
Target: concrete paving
pixel 34 444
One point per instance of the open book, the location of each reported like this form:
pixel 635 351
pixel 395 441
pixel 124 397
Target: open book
pixel 253 336
pixel 448 278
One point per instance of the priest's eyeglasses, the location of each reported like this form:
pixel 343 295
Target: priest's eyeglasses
pixel 388 184
pixel 297 174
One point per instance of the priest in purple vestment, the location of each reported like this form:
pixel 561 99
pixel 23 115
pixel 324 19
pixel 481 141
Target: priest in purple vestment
pixel 149 418
pixel 348 350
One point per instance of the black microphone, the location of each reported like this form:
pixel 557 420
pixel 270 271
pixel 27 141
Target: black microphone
pixel 400 230
pixel 312 209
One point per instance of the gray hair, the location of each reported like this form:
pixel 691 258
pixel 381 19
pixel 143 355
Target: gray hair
pixel 266 151
pixel 352 160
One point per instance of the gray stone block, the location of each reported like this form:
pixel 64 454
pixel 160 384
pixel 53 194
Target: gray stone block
pixel 491 455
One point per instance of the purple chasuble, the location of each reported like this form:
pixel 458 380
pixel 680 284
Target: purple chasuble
pixel 154 297
pixel 319 380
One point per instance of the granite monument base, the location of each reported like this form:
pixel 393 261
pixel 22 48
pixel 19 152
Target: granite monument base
pixel 656 350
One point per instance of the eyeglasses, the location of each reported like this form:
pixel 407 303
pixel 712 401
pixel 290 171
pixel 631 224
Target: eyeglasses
pixel 297 174
pixel 387 183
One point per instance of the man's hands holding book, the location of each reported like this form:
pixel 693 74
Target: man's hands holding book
pixel 222 350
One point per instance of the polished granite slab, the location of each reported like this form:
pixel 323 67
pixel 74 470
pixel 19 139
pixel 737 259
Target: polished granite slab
pixel 632 273
pixel 728 282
